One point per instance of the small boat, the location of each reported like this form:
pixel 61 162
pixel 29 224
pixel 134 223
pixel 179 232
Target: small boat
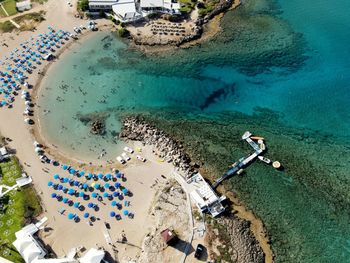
pixel 264 159
pixel 240 171
pixel 120 160
pixel 128 149
pixel 140 158
pixel 257 138
pixel 125 156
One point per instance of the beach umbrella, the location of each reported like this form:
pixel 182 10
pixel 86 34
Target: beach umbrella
pixel 125 212
pixel 64 167
pixel 59 187
pixel 81 194
pixel 108 176
pixel 72 171
pixel 125 191
pixel 100 175
pixel 86 215
pixel 76 204
pixel 85 185
pixel 71 216
pixel 107 185
pixel 65 180
pixel 90 175
pixel 53 195
pixel 119 175
pixel 117 185
pixel 105 194
pixel 81 173
pixel 94 195
pixel 49 183
pixel 114 203
pixel 97 186
pixel 56 176
pixel 112 214
pixel 90 205
pixel 115 194
pixel 65 200
pixel 71 191
pixel 76 183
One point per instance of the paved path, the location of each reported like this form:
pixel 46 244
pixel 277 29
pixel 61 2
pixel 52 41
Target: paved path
pixel 3 8
pixel 34 9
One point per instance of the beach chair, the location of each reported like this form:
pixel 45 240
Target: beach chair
pixel 61 211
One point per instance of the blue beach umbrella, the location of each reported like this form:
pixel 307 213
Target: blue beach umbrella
pixel 114 203
pixel 90 205
pixel 125 212
pixel 64 167
pixel 115 194
pixel 112 214
pixel 105 194
pixel 71 216
pixel 60 187
pixel 56 176
pixel 81 173
pixel 117 185
pixel 85 185
pixel 65 180
pixel 65 200
pixel 94 195
pixel 53 195
pixel 76 183
pixel 108 176
pixel 72 171
pixel 49 183
pixel 90 175
pixel 125 191
pixel 97 186
pixel 100 175
pixel 76 204
pixel 107 185
pixel 71 191
pixel 86 215
pixel 119 175
pixel 81 194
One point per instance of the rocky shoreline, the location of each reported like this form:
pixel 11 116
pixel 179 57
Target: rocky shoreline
pixel 135 129
pixel 194 32
pixel 229 237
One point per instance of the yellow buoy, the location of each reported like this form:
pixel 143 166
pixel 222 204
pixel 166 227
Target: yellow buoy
pixel 276 164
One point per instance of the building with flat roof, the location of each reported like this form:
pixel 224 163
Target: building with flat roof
pixel 104 5
pixel 125 11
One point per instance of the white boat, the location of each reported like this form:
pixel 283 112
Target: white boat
pixel 120 159
pixel 264 159
pixel 128 149
pixel 140 158
pixel 125 157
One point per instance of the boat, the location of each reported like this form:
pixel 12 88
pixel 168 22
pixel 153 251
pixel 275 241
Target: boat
pixel 257 138
pixel 125 156
pixel 140 158
pixel 120 159
pixel 264 159
pixel 128 149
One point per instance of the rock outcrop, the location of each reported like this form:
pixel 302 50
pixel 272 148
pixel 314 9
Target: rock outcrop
pixel 134 128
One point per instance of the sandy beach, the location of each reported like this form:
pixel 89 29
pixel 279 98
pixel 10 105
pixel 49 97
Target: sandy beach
pixel 144 180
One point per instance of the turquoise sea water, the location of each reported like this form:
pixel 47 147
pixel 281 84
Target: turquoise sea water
pixel 290 57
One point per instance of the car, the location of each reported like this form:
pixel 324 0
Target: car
pixel 120 159
pixel 128 149
pixel 125 157
pixel 140 158
pixel 199 251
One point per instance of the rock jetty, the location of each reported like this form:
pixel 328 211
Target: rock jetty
pixel 136 129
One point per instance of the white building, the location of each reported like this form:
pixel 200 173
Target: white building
pixel 32 252
pixel 204 196
pixel 166 6
pixel 132 10
pixel 125 11
pixel 23 5
pixel 104 5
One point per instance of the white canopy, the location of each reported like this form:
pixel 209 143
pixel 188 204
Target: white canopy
pixel 151 3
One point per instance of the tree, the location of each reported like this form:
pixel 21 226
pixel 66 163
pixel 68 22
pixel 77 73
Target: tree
pixel 83 5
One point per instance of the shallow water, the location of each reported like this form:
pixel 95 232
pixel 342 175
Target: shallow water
pixel 287 59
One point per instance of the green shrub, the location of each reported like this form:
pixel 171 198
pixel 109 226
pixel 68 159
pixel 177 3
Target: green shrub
pixel 123 32
pixel 83 5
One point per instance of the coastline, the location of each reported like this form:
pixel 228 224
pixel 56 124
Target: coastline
pixel 56 153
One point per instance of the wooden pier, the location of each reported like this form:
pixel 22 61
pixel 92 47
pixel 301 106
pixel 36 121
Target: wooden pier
pixel 243 162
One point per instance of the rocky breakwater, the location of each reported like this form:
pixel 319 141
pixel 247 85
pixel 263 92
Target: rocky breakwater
pixel 136 129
